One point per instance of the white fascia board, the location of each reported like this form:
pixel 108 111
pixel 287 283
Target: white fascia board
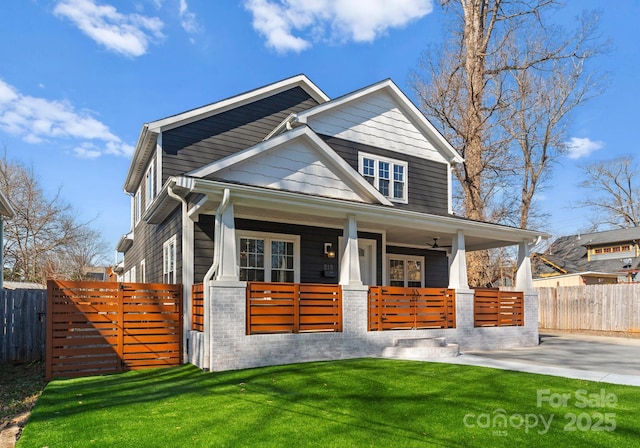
pixel 239 100
pixel 329 207
pixel 405 104
pixel 5 207
pixel 144 149
pixel 303 132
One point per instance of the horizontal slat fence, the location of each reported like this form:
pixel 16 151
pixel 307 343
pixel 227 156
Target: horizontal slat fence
pixel 293 308
pixel 104 327
pixel 497 308
pixel 398 308
pixel 591 307
pixel 197 307
pixel 22 319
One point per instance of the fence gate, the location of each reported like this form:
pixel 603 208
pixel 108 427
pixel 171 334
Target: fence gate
pixel 104 327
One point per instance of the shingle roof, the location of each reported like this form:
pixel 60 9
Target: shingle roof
pixel 569 253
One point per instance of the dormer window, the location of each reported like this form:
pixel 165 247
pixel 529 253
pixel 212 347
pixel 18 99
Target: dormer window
pixel 388 176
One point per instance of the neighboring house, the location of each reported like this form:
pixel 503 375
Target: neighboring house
pixel 6 211
pixel 284 184
pixel 594 258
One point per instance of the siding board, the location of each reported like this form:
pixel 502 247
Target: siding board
pixel 197 144
pixel 428 181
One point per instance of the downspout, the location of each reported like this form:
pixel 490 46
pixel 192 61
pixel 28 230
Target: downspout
pixel 185 292
pixel 217 249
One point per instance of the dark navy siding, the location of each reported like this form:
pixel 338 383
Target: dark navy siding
pixel 197 144
pixel 428 181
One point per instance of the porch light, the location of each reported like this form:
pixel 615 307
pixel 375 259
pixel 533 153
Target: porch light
pixel 328 250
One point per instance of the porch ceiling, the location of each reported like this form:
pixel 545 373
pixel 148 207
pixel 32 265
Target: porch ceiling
pixel 401 226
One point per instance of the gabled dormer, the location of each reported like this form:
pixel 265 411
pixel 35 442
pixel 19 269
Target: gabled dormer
pixel 384 136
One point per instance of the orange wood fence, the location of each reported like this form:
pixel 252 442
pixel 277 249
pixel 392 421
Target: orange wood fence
pixel 398 308
pixel 495 308
pixel 197 307
pixel 293 308
pixel 105 327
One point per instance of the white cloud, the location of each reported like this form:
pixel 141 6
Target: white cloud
pixel 38 120
pixel 341 20
pixel 188 19
pixel 582 147
pixel 126 34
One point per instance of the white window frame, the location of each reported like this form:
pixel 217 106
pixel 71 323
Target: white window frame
pixel 376 174
pixel 169 251
pixel 268 237
pixel 134 279
pixel 150 186
pixel 406 258
pixel 137 206
pixel 143 271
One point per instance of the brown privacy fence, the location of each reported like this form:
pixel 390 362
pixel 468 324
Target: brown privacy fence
pixel 396 308
pixel 22 324
pixel 197 307
pixel 293 308
pixel 496 308
pixel 591 307
pixel 105 327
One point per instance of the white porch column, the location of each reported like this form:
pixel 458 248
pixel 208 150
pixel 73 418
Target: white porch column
pixel 524 278
pixel 228 268
pixel 350 261
pixel 458 265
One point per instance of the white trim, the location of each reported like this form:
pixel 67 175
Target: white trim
pixel 239 100
pixel 268 237
pixel 316 142
pixel 376 175
pixel 406 258
pixel 143 271
pixel 171 242
pixel 149 196
pixel 404 103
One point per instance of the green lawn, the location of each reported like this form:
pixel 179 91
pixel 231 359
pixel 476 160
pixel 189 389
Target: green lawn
pixel 364 402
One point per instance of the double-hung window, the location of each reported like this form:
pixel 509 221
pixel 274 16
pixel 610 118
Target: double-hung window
pixel 388 176
pixel 169 260
pixel 269 257
pixel 406 271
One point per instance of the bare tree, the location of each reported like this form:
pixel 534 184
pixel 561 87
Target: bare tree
pixel 613 193
pixel 44 233
pixel 501 90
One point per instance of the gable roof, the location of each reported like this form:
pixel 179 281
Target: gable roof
pixel 302 162
pixel 149 133
pixel 404 104
pixel 568 254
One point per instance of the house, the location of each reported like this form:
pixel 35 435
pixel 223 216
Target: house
pixel 593 258
pixel 284 185
pixel 6 211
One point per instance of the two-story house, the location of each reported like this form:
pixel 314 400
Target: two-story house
pixel 284 184
pixel 611 256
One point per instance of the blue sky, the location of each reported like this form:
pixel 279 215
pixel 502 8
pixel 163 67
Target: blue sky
pixel 78 79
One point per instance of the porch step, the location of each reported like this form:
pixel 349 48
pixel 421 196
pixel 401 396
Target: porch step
pixel 417 349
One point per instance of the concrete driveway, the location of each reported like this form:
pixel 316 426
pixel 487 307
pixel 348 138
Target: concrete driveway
pixel 594 358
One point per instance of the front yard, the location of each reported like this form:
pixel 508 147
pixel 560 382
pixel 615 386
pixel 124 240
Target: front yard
pixel 366 402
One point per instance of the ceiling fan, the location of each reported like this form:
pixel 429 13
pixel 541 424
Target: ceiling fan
pixel 435 244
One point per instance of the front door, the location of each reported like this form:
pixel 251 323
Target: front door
pixel 367 257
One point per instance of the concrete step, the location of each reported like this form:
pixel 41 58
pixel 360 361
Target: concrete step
pixel 417 349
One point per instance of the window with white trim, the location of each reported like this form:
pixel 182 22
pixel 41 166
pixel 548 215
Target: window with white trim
pixel 406 271
pixel 269 257
pixel 150 186
pixel 388 176
pixel 143 271
pixel 169 260
pixel 137 206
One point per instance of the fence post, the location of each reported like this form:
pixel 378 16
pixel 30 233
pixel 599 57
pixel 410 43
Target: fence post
pixel 49 331
pixel 120 344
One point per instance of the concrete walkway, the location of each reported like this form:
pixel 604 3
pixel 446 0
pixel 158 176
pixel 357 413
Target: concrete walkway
pixel 593 358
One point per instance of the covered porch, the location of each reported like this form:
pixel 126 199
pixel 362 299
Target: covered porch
pixel 350 247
